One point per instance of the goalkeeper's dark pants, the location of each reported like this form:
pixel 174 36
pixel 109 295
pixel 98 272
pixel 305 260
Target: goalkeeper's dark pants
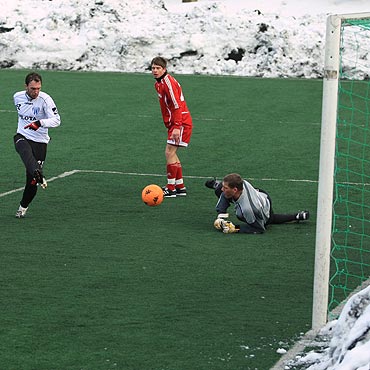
pixel 279 218
pixel 33 155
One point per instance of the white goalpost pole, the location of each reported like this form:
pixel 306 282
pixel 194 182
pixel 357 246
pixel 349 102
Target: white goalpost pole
pixel 326 173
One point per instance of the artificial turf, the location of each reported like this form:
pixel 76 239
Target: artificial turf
pixel 94 279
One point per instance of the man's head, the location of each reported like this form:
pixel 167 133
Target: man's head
pixel 232 185
pixel 159 66
pixel 33 82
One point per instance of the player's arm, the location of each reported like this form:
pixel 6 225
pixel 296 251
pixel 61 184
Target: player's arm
pixel 222 205
pixel 52 115
pixel 174 95
pixel 166 116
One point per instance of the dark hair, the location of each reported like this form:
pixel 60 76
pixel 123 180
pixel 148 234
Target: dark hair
pixel 159 61
pixel 234 180
pixel 33 76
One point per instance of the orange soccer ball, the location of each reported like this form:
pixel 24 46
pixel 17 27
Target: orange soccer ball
pixel 152 195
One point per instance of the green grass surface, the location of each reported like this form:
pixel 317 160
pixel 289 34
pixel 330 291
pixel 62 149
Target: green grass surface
pixel 93 279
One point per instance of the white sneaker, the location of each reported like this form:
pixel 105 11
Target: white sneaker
pixel 21 213
pixel 303 215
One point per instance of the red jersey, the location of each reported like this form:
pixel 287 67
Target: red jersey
pixel 171 99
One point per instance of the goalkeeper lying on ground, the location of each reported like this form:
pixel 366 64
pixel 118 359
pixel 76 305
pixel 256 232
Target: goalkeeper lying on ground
pixel 252 206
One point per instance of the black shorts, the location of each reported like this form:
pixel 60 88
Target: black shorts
pixel 38 150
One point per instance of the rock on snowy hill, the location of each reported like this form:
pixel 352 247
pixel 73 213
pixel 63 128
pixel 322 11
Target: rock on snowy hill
pixel 107 35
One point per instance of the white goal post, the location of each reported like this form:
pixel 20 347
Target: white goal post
pixel 327 161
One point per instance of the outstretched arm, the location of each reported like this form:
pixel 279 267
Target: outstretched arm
pixel 223 204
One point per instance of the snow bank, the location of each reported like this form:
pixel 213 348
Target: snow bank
pixel 207 38
pixel 349 347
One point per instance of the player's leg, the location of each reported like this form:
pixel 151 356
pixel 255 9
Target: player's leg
pixel 24 149
pixel 175 181
pixel 29 193
pixel 185 136
pixel 277 218
pixel 33 156
pixel 39 152
pixel 282 218
pixel 171 165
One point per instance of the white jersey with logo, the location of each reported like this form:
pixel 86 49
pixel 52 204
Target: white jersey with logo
pixel 41 109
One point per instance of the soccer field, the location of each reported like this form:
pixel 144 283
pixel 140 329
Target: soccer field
pixel 94 279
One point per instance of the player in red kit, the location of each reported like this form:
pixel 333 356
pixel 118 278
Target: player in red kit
pixel 178 121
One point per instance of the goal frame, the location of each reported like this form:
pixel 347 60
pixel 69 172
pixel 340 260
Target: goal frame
pixel 326 169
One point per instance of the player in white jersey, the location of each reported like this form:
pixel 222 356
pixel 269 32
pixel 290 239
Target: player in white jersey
pixel 252 206
pixel 37 113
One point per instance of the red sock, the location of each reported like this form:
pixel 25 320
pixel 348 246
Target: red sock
pixel 171 175
pixel 179 180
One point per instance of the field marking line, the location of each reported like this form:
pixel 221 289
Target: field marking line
pixel 200 118
pixel 188 177
pixel 73 172
pixel 7 111
pixel 195 118
pixel 64 174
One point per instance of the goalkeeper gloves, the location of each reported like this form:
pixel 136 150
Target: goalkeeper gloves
pixel 227 227
pixel 33 125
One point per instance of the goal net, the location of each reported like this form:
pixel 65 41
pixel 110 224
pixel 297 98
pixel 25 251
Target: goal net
pixel 343 220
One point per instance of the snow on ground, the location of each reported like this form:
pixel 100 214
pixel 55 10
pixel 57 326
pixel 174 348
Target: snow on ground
pixel 345 343
pixel 276 38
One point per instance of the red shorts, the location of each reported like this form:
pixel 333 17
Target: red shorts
pixel 185 135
